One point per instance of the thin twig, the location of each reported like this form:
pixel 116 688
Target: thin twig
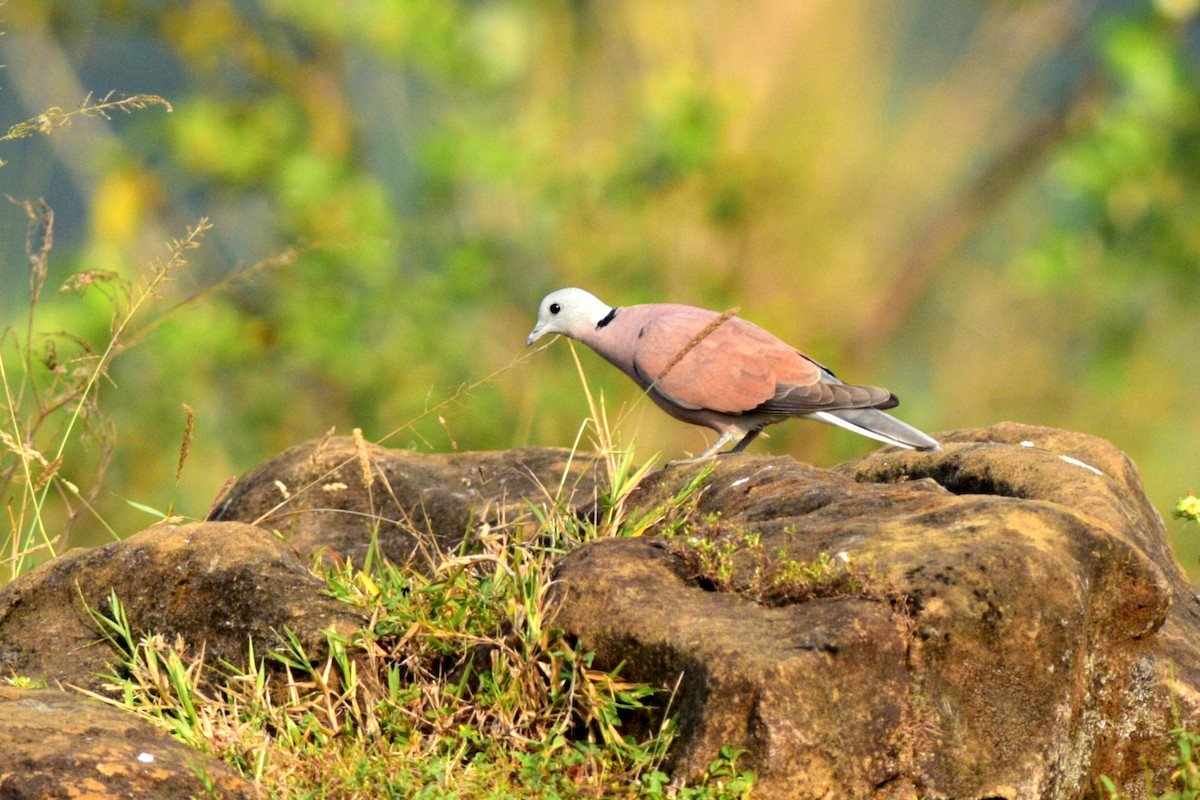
pixel 283 259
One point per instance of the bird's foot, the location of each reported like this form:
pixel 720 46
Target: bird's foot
pixel 705 456
pixel 679 462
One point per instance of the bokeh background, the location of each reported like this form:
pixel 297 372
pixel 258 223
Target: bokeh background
pixel 992 208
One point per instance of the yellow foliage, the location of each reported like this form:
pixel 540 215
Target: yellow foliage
pixel 122 201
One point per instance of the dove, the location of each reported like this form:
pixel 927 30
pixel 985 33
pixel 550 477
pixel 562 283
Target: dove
pixel 720 371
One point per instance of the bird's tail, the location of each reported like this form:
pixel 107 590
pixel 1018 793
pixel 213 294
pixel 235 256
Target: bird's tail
pixel 879 426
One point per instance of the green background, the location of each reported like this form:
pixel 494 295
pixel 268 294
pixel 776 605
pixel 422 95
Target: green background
pixel 991 208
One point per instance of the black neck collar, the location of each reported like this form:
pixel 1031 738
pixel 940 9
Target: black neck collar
pixel 607 319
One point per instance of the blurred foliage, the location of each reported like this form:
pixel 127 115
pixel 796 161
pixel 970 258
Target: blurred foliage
pixel 394 184
pixel 1188 508
pixel 1130 210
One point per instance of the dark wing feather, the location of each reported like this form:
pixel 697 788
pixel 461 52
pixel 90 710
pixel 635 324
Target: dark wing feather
pixel 825 396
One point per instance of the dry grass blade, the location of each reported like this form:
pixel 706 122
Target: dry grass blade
pixel 48 473
pixel 219 497
pixel 364 460
pixel 698 338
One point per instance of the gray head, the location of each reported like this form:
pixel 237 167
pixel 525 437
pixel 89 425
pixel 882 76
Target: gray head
pixel 570 312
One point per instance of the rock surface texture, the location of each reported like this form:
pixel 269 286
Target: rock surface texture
pixel 1003 619
pixel 216 584
pixel 57 744
pixel 320 496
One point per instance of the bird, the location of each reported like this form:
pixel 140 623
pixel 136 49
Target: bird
pixel 720 371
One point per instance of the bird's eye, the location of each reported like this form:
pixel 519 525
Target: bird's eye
pixel 555 308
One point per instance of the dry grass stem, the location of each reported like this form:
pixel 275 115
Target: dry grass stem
pixel 698 338
pixel 55 117
pixel 364 460
pixel 185 447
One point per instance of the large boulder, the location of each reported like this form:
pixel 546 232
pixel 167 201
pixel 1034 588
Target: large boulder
pixel 61 744
pixel 1003 619
pixel 337 497
pixel 216 584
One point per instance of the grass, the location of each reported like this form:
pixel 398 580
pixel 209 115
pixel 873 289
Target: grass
pixel 460 686
pixel 50 398
pixel 1184 780
pixel 730 558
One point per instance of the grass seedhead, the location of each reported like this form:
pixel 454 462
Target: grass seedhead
pixel 50 385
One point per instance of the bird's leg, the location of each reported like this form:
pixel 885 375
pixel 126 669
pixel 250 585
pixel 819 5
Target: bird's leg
pixel 746 440
pixel 724 439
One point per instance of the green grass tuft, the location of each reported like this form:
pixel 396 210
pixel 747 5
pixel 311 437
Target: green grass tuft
pixel 459 687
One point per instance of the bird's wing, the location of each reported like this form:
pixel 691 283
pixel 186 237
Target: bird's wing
pixel 826 396
pixel 731 368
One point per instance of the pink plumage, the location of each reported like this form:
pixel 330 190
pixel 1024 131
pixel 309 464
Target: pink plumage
pixel 727 374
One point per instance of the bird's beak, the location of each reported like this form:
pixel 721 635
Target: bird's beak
pixel 534 335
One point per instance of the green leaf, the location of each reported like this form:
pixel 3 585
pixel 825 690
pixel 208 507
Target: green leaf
pixel 154 512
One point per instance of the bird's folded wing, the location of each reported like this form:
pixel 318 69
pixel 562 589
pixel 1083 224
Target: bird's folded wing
pixel 732 368
pixel 795 400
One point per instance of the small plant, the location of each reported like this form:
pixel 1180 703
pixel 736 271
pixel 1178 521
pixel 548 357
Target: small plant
pixel 825 575
pixel 1186 777
pixel 722 781
pixel 730 558
pixel 23 682
pixel 1184 780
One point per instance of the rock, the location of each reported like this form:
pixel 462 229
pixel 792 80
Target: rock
pixel 1003 619
pixel 316 495
pixel 216 584
pixel 62 744
pixel 772 680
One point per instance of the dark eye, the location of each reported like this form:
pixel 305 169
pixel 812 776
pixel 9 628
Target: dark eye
pixel 555 308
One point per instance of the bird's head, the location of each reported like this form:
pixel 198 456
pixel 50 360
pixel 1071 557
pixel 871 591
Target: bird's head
pixel 571 312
